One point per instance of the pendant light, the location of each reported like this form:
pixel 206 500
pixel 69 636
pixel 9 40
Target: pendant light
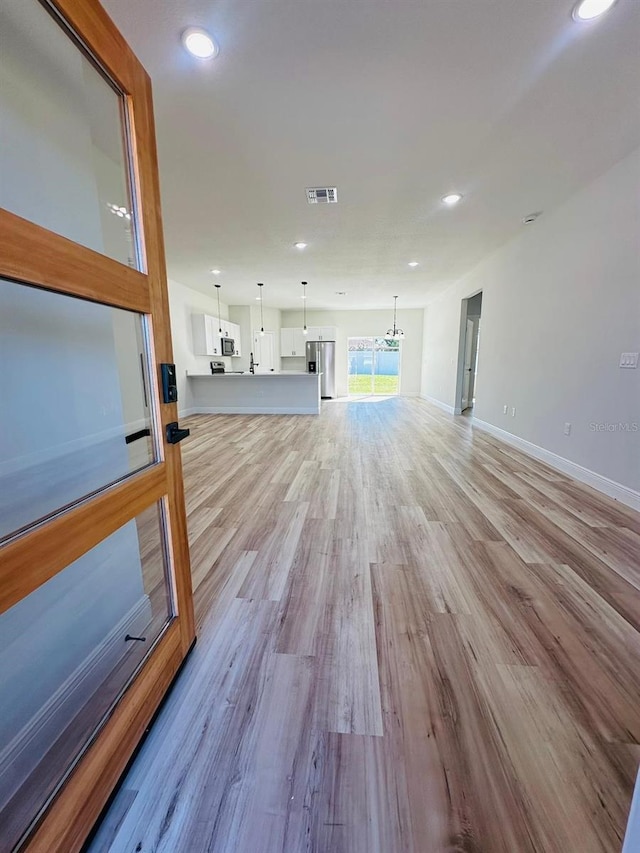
pixel 261 312
pixel 395 334
pixel 219 318
pixel 304 308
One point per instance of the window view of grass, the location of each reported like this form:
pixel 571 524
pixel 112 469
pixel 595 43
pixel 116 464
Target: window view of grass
pixel 373 366
pixel 381 384
pixel 385 384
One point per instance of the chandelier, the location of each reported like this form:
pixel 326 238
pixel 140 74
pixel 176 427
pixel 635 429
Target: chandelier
pixel 395 334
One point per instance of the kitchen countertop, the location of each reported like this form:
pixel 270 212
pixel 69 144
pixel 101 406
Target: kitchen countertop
pixel 249 375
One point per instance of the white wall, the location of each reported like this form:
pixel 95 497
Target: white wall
pixel 560 303
pixel 365 324
pixel 183 302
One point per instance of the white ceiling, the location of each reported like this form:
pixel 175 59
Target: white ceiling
pixel 395 102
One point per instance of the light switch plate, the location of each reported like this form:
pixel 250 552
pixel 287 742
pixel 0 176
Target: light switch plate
pixel 629 359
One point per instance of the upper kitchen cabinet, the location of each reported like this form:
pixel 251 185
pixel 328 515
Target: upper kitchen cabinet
pixel 234 332
pixel 206 334
pixel 322 333
pixel 207 331
pixel 292 343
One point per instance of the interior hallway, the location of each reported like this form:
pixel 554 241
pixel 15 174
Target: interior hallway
pixel 411 638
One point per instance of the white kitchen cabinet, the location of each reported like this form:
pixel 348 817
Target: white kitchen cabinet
pixel 225 326
pixel 206 337
pixel 322 333
pixel 293 343
pixel 234 332
pixel 286 343
pixel 300 342
pixel 207 334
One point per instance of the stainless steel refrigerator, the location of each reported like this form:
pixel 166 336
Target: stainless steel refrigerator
pixel 321 358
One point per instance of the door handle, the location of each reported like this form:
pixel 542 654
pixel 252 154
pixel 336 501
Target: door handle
pixel 175 434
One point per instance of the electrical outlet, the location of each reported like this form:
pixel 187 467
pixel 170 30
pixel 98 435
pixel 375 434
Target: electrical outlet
pixel 505 410
pixel 567 429
pixel 513 411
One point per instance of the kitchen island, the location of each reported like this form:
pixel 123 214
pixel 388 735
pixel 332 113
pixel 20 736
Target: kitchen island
pixel 255 393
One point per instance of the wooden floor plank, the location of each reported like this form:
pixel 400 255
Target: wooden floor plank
pixel 349 688
pixel 412 639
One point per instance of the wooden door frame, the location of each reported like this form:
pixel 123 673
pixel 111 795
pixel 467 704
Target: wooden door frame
pixel 462 339
pixel 33 255
pixel 466 400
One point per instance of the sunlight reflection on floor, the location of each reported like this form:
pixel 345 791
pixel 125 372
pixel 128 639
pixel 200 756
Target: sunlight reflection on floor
pixel 368 398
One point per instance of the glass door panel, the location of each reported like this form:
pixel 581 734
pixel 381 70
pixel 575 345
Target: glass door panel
pixel 91 635
pixel 63 136
pixel 360 374
pixel 75 391
pixel 386 373
pixel 67 651
pixel 374 366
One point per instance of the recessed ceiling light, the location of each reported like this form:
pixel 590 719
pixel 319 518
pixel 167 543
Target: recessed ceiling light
pixel 216 272
pixel 199 43
pixel 452 198
pixel 300 245
pixel 414 264
pixel 587 10
pixel 258 298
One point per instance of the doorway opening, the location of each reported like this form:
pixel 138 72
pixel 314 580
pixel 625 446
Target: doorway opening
pixel 373 366
pixel 469 347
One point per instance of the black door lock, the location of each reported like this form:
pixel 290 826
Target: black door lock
pixel 175 434
pixel 169 386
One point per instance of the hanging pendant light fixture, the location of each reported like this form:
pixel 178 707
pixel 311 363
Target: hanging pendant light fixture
pixel 260 285
pixel 219 318
pixel 395 334
pixel 304 308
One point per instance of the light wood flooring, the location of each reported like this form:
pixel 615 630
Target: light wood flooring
pixel 411 638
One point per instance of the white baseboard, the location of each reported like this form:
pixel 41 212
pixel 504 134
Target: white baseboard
pixel 618 491
pixel 255 410
pixel 409 394
pixel 441 405
pixel 24 750
pixel 632 835
pixel 184 413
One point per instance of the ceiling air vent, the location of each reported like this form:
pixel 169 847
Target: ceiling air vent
pixel 531 217
pixel 322 195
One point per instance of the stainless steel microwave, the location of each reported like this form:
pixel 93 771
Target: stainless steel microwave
pixel 227 346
